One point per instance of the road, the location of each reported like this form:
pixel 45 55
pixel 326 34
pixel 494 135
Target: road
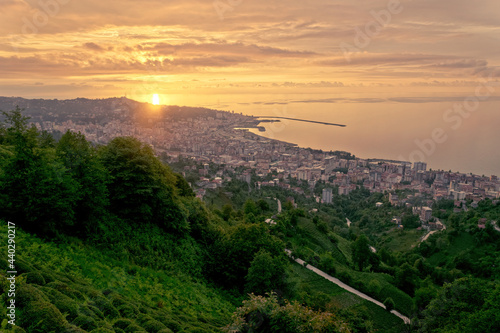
pixel 346 287
pixel 431 232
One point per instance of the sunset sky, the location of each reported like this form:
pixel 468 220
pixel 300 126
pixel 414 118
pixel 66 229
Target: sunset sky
pixel 184 50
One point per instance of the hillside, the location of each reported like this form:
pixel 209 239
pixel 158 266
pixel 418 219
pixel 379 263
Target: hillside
pixel 110 239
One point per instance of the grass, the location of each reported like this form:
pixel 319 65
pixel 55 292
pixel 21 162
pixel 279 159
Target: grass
pixel 402 241
pixel 318 241
pixel 463 242
pixel 316 289
pixel 345 247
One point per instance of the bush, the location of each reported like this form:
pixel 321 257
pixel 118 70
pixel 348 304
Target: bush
pixel 128 310
pixel 153 326
pixel 122 323
pixel 66 290
pixel 27 293
pixel 165 330
pixel 102 330
pixel 267 315
pixel 171 323
pixel 115 299
pixel 389 304
pixel 74 329
pixel 85 322
pixel 47 277
pixel 62 302
pixel 96 311
pixel 107 309
pixel 35 278
pixel 23 267
pixel 42 317
pixel 133 328
pixel 143 318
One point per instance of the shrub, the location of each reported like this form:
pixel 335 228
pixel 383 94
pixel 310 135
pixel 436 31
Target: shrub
pixel 115 299
pixel 266 315
pixel 165 330
pixel 153 326
pixel 105 306
pixel 74 329
pixel 143 318
pixel 42 317
pixel 102 330
pixel 389 304
pixel 23 267
pixel 128 310
pixel 85 322
pixel 17 329
pixel 97 312
pixel 67 306
pixel 47 277
pixel 26 294
pixel 171 323
pixel 66 290
pixel 133 328
pixel 122 323
pixel 62 302
pixel 35 278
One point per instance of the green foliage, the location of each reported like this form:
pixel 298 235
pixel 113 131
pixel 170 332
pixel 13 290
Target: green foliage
pixel 36 190
pixel 142 189
pixel 154 326
pixel 232 255
pixel 266 274
pixel 42 317
pixel 87 323
pixel 466 305
pixel 265 314
pixel 389 304
pixel 80 160
pixel 410 221
pixel 361 252
pixel 406 278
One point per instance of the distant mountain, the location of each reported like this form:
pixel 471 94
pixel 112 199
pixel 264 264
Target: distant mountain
pixel 96 110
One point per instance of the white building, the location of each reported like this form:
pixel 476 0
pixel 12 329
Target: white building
pixel 327 195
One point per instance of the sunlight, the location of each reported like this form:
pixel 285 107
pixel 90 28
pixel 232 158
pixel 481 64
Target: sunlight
pixel 156 99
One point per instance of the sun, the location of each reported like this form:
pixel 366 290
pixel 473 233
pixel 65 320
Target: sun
pixel 156 99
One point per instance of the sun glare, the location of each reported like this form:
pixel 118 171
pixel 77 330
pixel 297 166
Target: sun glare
pixel 156 99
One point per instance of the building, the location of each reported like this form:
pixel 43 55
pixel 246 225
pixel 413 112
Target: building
pixel 426 214
pixel 419 166
pixel 327 195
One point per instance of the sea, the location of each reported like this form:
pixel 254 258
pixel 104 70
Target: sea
pixel 453 132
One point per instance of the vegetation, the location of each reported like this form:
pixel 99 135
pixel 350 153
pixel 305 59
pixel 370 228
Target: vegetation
pixel 111 239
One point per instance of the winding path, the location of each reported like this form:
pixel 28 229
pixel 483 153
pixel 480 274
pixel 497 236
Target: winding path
pixel 346 287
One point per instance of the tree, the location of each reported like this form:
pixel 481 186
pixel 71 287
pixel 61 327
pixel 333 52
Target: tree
pixel 266 273
pixel 232 255
pixel 466 305
pixel 406 278
pixel 142 189
pixel 410 221
pixel 35 188
pixel 80 158
pixel 266 314
pixel 361 251
pixel 250 208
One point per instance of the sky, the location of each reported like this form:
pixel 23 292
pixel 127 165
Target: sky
pixel 186 51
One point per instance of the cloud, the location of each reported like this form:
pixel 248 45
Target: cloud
pixel 93 46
